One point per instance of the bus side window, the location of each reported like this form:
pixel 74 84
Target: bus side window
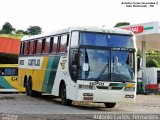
pixel 31 49
pixel 26 45
pixel 14 71
pixel 22 48
pixel 43 46
pixel 74 39
pixel 35 46
pixel 38 46
pixel 54 44
pixel 63 43
pixel 51 44
pixel 47 45
pixel 8 71
pixel 1 72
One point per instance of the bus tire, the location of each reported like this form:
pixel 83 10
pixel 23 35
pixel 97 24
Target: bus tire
pixel 64 100
pixel 109 105
pixel 29 90
pixel 26 87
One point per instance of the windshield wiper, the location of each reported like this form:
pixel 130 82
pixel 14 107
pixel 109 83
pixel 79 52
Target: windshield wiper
pixel 102 72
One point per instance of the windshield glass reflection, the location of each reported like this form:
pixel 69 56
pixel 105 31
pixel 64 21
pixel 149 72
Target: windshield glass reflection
pixel 106 65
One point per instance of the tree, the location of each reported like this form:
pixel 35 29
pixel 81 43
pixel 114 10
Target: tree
pixel 152 63
pixel 122 24
pixel 7 28
pixel 1 32
pixel 21 32
pixel 34 30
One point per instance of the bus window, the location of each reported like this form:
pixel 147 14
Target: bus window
pixel 74 39
pixel 54 44
pixel 38 46
pixel 51 44
pixel 26 50
pixel 28 46
pixel 43 45
pixel 31 50
pixel 21 48
pixel 1 71
pixel 63 43
pixel 47 45
pixel 8 71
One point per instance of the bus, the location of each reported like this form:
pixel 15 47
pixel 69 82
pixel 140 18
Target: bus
pixel 93 64
pixel 9 78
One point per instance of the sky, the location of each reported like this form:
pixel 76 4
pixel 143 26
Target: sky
pixel 53 15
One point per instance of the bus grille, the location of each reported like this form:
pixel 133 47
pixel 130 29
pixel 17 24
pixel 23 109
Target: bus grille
pixel 109 88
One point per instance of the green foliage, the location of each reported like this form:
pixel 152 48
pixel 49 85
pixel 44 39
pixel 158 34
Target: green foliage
pixel 8 31
pixel 139 53
pixel 34 30
pixel 150 57
pixel 16 36
pixel 152 63
pixel 122 24
pixel 152 53
pixel 21 32
pixel 7 28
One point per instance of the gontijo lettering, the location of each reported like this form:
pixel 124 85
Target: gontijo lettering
pixel 34 62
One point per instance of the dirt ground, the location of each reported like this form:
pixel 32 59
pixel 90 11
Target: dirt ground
pixel 20 106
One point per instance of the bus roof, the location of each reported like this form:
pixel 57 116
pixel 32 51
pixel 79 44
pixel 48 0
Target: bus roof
pixel 8 65
pixel 86 28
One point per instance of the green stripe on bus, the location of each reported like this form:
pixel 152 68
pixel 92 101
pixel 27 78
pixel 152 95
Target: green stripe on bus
pixel 117 84
pixel 4 83
pixel 52 74
pixel 47 73
pixel 148 28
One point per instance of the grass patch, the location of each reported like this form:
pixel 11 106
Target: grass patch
pixel 16 36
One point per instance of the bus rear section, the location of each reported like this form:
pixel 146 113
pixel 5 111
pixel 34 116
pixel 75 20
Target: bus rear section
pixel 9 78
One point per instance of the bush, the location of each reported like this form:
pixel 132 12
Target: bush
pixel 152 63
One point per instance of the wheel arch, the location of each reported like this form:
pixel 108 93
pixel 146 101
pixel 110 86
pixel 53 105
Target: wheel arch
pixel 26 78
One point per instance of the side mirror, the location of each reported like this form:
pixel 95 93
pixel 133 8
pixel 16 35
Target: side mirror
pixel 74 67
pixel 75 57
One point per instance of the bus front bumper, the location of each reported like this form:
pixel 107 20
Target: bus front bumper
pixel 106 96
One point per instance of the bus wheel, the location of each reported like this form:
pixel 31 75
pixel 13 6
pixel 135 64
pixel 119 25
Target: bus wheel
pixel 29 90
pixel 64 100
pixel 109 105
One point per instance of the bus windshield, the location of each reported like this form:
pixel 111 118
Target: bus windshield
pixel 122 66
pixel 109 40
pixel 105 65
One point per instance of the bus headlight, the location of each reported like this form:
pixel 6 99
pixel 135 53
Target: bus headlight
pixel 89 87
pixel 129 88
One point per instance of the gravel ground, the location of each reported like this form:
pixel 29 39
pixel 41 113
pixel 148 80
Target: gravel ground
pixel 20 106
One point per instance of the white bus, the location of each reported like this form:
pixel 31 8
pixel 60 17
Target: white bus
pixel 92 64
